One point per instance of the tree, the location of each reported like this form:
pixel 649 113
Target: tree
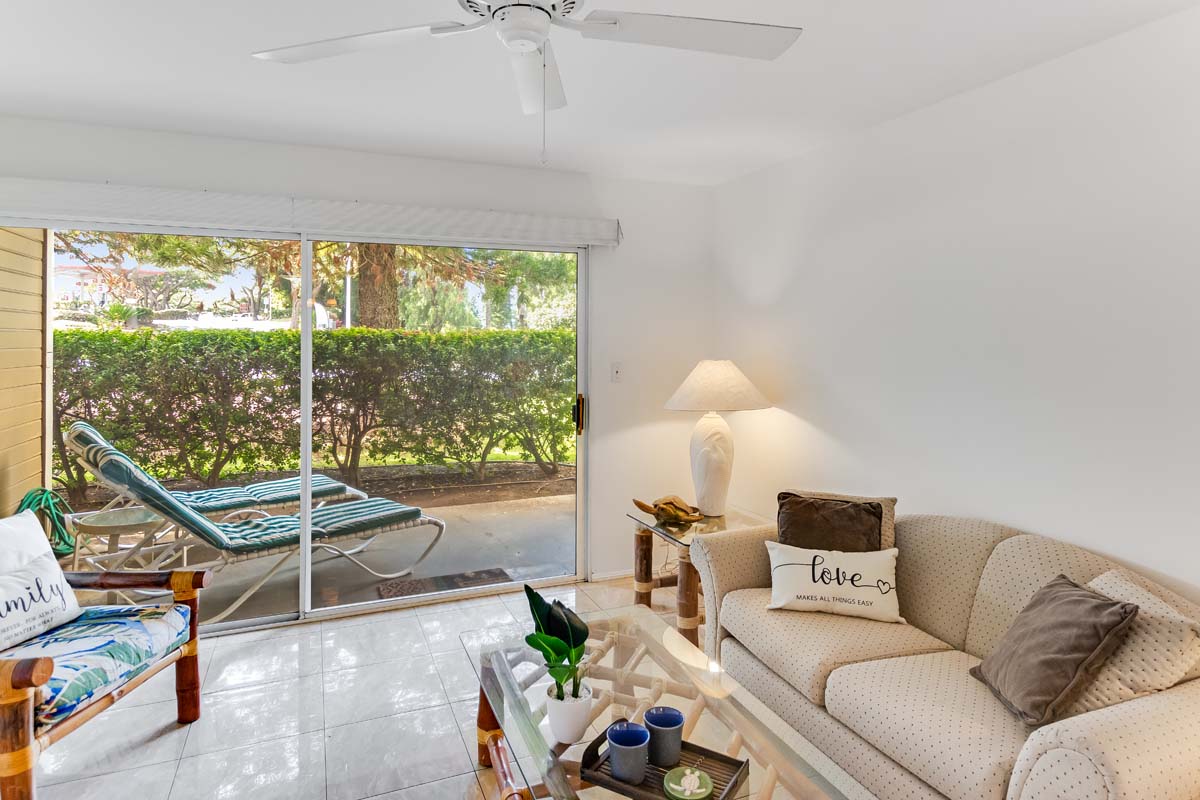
pixel 378 285
pixel 519 287
pixel 170 288
pixel 382 269
pixel 352 372
pixel 435 306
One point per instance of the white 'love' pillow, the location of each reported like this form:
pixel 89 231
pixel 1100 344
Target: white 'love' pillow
pixel 34 595
pixel 851 584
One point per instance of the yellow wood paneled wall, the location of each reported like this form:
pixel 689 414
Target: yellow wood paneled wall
pixel 22 362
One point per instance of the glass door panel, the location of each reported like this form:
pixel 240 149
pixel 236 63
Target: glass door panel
pixel 444 379
pixel 183 352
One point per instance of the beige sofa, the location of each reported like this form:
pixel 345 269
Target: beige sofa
pixel 894 705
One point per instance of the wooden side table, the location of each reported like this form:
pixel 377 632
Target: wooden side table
pixel 686 581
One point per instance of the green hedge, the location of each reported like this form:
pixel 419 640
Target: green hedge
pixel 198 404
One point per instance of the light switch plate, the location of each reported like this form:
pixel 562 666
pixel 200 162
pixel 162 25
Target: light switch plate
pixel 616 372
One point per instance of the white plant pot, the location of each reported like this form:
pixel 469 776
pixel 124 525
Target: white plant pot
pixel 570 716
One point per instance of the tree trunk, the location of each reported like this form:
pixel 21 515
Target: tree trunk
pixel 378 285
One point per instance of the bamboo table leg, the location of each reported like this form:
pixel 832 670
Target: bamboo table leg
pixel 643 559
pixel 688 598
pixel 487 727
pixel 506 782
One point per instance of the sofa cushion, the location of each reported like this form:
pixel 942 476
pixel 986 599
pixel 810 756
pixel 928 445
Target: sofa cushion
pixel 99 650
pixel 943 558
pixel 931 717
pixel 887 521
pixel 1054 649
pixel 803 647
pixel 878 774
pixel 1161 648
pixel 1021 565
pixel 818 523
pixel 1017 569
pixel 34 594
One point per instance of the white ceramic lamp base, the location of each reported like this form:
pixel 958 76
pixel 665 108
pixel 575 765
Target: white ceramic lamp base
pixel 712 463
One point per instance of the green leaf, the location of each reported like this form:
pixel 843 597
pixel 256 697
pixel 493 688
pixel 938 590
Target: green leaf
pixel 539 608
pixel 566 625
pixel 562 673
pixel 554 650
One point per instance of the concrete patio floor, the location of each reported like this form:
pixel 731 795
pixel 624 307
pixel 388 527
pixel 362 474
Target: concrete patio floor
pixel 531 538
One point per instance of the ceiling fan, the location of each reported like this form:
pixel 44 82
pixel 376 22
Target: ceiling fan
pixel 524 29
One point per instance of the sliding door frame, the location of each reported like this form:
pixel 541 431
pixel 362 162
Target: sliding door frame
pixel 582 362
pixel 305 608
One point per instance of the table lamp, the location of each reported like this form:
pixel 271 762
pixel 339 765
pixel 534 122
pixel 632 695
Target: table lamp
pixel 711 387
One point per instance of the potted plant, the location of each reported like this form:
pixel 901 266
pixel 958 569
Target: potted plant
pixel 560 636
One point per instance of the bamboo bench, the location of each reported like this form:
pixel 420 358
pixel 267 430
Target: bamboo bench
pixel 22 680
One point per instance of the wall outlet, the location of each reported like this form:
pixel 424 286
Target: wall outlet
pixel 616 372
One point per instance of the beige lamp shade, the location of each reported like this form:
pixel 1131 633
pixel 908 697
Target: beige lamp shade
pixel 716 386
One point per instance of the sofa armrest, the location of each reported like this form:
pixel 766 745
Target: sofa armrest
pixel 728 561
pixel 1146 747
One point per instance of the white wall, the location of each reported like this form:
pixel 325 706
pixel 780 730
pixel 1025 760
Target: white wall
pixel 647 297
pixel 988 307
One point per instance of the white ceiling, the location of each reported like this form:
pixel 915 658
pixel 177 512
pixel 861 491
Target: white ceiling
pixel 637 111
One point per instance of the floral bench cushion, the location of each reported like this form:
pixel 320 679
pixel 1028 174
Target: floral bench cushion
pixel 99 650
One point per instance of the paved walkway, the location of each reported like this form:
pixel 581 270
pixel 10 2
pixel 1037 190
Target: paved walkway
pixel 533 538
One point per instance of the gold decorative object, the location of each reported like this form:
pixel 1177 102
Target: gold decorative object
pixel 671 510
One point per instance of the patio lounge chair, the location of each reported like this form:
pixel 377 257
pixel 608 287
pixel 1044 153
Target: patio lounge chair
pixel 268 535
pixel 225 502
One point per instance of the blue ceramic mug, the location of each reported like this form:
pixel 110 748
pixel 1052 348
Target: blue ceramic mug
pixel 628 743
pixel 666 735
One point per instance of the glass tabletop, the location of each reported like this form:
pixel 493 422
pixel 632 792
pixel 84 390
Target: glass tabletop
pixel 681 535
pixel 635 660
pixel 116 520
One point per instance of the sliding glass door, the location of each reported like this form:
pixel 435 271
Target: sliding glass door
pixel 183 353
pixel 444 378
pixel 433 388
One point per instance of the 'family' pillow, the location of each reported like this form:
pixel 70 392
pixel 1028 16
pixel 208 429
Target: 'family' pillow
pixel 34 595
pixel 851 584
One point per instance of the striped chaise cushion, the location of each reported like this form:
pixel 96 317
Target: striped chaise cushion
pixel 253 535
pixel 82 435
pixel 234 498
pixel 361 515
pixel 287 490
pixel 225 498
pixel 119 470
pixel 91 443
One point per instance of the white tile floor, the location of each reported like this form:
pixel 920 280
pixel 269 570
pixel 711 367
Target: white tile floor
pixel 375 706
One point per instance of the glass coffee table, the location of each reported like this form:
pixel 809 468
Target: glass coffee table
pixel 635 660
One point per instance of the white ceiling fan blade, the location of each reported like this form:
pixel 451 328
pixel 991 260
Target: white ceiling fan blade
pixel 527 68
pixel 310 51
pixel 747 39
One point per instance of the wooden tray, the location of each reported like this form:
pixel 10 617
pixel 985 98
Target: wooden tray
pixel 728 774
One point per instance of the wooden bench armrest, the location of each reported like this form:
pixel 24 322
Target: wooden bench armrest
pixel 24 673
pixel 180 581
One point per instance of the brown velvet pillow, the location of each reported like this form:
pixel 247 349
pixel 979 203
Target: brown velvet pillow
pixel 817 523
pixel 1053 649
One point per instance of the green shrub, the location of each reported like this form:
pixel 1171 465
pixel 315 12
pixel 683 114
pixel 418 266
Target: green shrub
pixel 199 403
pixel 75 316
pixel 172 314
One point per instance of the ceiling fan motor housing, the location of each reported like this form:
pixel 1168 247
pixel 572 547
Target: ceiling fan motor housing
pixel 522 27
